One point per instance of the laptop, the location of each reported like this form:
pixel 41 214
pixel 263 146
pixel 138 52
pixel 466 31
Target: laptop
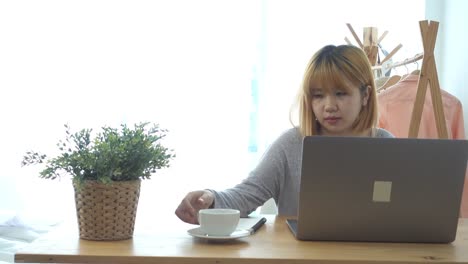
pixel 380 189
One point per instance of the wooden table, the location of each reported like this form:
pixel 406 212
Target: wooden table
pixel 273 243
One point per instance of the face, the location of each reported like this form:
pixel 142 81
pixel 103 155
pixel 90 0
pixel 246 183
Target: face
pixel 337 109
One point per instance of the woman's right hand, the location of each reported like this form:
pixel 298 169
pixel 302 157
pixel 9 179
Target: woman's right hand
pixel 188 209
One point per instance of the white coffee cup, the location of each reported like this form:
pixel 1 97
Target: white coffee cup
pixel 218 222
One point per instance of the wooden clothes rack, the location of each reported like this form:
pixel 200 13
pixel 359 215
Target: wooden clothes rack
pixel 428 76
pixel 370 44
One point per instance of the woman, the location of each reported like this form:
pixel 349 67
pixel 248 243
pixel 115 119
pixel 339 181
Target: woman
pixel 337 98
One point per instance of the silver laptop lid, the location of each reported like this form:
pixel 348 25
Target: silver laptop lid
pixel 381 189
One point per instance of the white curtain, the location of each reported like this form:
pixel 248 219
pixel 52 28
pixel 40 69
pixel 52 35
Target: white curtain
pixel 219 75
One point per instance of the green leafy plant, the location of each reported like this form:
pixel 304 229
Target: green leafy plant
pixel 113 155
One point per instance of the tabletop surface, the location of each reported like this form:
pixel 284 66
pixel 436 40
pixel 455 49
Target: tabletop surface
pixel 273 243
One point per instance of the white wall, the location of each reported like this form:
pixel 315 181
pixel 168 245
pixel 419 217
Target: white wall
pixel 451 54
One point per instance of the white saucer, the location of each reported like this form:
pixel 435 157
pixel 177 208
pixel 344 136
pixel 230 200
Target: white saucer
pixel 238 233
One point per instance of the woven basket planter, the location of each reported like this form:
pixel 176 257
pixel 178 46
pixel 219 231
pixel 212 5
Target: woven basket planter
pixel 107 211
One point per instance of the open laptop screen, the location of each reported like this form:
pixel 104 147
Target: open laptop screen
pixel 381 189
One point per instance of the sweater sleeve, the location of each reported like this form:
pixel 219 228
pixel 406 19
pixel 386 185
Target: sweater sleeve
pixel 458 127
pixel 263 183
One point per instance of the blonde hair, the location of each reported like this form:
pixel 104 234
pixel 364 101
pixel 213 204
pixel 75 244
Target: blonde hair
pixel 332 67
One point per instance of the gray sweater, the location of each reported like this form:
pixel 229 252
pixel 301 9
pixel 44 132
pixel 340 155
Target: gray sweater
pixel 277 175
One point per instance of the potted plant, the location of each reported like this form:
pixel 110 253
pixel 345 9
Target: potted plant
pixel 106 172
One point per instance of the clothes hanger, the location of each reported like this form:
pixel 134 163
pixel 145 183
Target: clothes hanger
pixel 407 72
pixel 417 71
pixel 406 61
pixel 379 82
pixel 391 81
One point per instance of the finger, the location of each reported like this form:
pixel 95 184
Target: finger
pixel 205 200
pixel 186 212
pixel 187 206
pixel 186 216
pixel 202 203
